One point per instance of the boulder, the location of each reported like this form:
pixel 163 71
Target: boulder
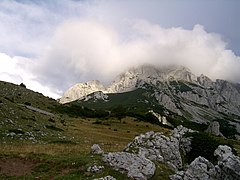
pixel 228 167
pixel 200 169
pixel 214 128
pixel 96 149
pixel 228 164
pixel 157 147
pixel 135 166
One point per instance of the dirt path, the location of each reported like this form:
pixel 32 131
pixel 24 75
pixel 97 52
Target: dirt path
pixel 16 166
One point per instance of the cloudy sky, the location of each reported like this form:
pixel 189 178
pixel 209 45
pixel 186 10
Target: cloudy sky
pixel 51 45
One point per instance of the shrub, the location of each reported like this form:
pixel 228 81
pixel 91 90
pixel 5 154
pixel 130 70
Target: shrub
pixel 28 103
pixel 203 145
pixel 227 129
pixel 22 85
pixel 16 131
pixel 51 120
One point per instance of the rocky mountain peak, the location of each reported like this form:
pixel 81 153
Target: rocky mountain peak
pixel 180 73
pixel 131 80
pixel 82 89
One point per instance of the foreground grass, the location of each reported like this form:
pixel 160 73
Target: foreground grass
pixel 70 159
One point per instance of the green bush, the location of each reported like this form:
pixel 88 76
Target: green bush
pixel 227 129
pixel 16 131
pixel 203 145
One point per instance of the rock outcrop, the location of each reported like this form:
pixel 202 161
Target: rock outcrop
pixel 214 128
pixel 138 159
pixel 82 89
pixel 228 164
pixel 228 167
pixel 157 147
pixel 96 149
pixel 137 167
pixel 95 96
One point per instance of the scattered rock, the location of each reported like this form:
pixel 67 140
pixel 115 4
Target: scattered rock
pixel 228 167
pixel 95 169
pixel 214 128
pixel 106 178
pixel 96 149
pixel 137 167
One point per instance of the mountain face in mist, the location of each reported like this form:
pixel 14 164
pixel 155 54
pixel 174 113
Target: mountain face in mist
pixel 130 80
pixel 174 88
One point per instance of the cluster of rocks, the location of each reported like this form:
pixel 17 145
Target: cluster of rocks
pixel 228 167
pixel 138 157
pixel 95 169
pixel 157 147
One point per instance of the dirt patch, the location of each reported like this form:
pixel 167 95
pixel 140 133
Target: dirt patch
pixel 16 166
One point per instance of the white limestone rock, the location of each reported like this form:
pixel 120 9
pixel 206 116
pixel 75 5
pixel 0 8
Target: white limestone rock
pixel 200 169
pixel 228 164
pixel 106 178
pixel 214 128
pixel 95 96
pixel 95 169
pixel 136 167
pixel 80 90
pixel 158 147
pixel 96 149
pixel 228 167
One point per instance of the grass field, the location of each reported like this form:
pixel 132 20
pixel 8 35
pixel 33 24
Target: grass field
pixel 41 139
pixel 69 159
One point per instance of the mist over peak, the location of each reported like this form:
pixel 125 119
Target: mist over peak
pixel 83 50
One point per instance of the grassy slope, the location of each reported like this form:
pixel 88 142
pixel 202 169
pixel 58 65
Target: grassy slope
pixel 53 155
pixel 64 158
pixel 138 100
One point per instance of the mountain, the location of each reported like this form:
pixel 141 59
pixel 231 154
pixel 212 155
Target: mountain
pixel 170 91
pixel 41 138
pixel 130 80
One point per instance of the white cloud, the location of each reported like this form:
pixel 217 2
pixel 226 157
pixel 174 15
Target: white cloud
pixel 18 70
pixel 69 47
pixel 83 50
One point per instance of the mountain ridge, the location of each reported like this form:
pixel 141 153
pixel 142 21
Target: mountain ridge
pixel 129 80
pixel 171 90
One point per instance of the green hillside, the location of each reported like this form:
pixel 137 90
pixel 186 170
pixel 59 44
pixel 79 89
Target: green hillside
pixel 40 138
pixel 46 143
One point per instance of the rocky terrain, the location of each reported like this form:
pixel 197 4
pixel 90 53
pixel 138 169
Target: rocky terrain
pixel 139 158
pixel 47 139
pixel 169 91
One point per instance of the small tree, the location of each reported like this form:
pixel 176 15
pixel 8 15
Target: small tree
pixel 22 85
pixel 119 112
